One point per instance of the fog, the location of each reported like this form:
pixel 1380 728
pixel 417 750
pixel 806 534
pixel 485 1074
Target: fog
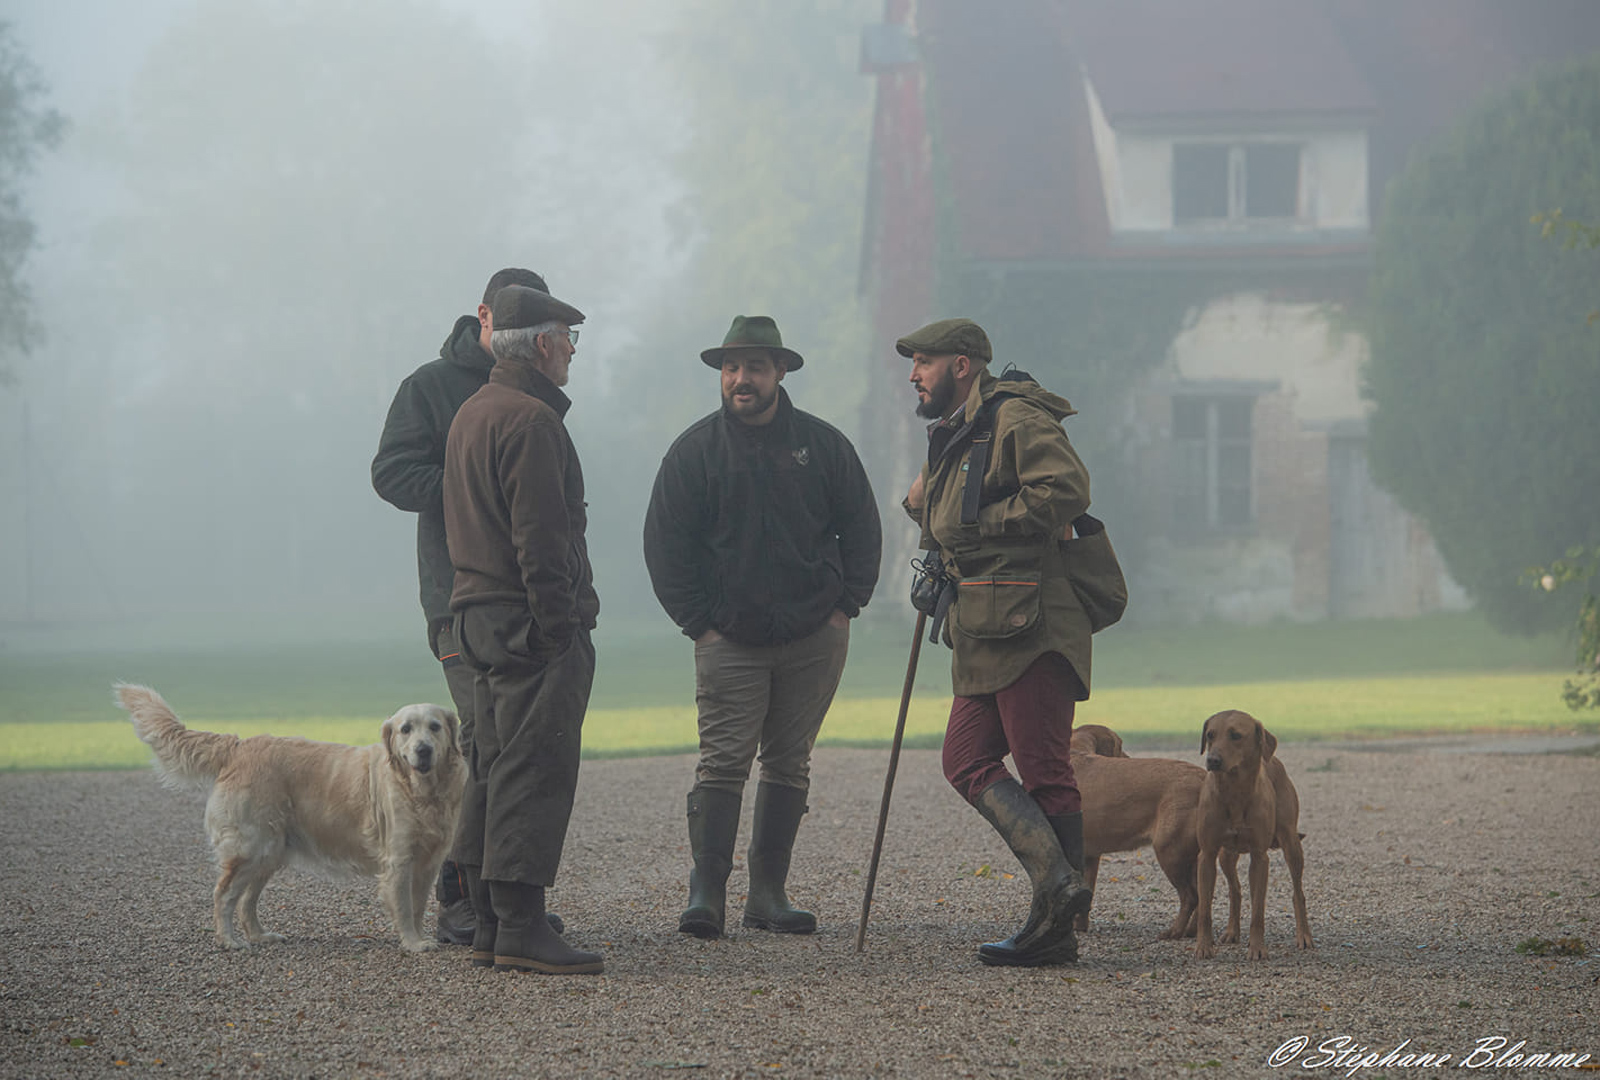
pixel 266 214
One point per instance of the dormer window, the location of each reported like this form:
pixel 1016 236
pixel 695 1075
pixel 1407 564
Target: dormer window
pixel 1235 185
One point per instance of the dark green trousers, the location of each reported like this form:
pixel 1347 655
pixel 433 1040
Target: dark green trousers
pixel 525 746
pixel 461 681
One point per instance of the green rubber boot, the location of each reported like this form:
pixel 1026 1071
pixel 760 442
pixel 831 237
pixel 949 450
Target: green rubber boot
pixel 766 906
pixel 713 826
pixel 1059 894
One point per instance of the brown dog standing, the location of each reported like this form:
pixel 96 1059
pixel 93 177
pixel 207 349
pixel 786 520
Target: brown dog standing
pixel 1131 802
pixel 1245 805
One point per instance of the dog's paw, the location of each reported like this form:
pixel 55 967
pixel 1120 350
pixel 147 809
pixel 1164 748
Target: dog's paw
pixel 233 943
pixel 1258 952
pixel 1204 951
pixel 1230 936
pixel 419 945
pixel 267 937
pixel 1303 941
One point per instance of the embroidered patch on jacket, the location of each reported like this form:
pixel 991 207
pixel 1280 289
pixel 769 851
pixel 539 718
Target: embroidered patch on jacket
pixel 802 456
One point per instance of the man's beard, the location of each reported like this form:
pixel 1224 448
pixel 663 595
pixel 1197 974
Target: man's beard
pixel 754 406
pixel 941 395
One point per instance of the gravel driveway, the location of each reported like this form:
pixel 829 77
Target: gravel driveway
pixel 1425 869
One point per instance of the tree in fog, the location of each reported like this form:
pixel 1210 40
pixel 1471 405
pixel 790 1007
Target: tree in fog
pixel 312 192
pixel 773 167
pixel 768 174
pixel 27 127
pixel 1484 371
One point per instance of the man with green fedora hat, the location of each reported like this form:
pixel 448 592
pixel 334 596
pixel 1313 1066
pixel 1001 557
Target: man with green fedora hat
pixel 762 541
pixel 754 332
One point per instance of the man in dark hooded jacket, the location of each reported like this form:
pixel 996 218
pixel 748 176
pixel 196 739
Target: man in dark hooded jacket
pixel 408 472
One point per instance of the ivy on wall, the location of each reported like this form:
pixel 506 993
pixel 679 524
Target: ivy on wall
pixel 1090 336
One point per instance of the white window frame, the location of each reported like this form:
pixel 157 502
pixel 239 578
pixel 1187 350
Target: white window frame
pixel 1238 180
pixel 1208 448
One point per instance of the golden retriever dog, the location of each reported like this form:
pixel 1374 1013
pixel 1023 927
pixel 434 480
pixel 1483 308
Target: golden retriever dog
pixel 387 810
pixel 1247 803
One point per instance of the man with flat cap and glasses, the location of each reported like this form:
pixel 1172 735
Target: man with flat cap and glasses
pixel 762 541
pixel 524 604
pixel 408 472
pixel 1020 636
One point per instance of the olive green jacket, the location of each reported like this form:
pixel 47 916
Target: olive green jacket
pixel 1013 600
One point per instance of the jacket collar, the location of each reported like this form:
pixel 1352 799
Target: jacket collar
pixel 533 382
pixel 981 391
pixel 463 347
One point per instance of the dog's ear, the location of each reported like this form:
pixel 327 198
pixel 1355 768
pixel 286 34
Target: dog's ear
pixel 452 723
pixel 1204 729
pixel 388 742
pixel 1268 743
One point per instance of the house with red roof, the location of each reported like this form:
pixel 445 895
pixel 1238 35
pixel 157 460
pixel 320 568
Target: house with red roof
pixel 1164 210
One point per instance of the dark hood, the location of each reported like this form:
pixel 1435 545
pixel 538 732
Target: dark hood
pixel 462 346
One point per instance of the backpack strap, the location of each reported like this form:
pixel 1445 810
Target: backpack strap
pixel 978 459
pixel 977 464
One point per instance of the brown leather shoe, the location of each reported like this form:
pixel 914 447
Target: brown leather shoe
pixel 525 940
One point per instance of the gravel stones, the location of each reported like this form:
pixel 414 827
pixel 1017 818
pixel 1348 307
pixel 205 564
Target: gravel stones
pixel 1424 871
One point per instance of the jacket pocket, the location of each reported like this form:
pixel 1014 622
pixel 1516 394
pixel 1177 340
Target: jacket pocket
pixel 998 606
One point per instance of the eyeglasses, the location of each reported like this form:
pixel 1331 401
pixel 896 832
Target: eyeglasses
pixel 572 336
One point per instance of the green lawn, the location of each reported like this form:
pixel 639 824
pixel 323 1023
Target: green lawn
pixel 1326 680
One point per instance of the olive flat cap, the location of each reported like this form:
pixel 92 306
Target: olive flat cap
pixel 947 337
pixel 753 332
pixel 517 307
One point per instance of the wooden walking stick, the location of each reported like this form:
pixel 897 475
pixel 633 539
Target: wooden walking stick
pixel 888 781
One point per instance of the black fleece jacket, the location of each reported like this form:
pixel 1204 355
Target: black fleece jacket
pixel 760 532
pixel 408 470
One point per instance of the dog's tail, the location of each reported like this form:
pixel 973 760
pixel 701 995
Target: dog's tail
pixel 185 759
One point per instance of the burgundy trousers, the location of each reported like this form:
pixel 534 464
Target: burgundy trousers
pixel 1032 721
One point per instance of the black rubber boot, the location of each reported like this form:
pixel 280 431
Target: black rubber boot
pixel 1058 891
pixel 713 826
pixel 525 940
pixel 766 906
pixel 456 918
pixel 1069 831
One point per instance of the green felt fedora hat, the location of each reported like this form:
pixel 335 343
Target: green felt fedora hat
pixel 753 332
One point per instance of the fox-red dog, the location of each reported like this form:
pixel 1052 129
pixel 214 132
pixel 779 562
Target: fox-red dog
pixel 1246 804
pixel 387 810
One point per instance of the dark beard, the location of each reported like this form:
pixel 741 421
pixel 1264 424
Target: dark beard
pixel 941 395
pixel 762 404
